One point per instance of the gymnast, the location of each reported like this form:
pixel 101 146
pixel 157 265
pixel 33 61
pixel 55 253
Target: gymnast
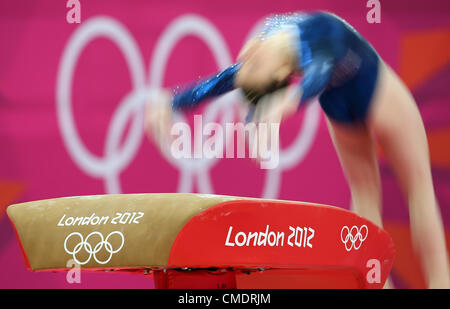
pixel 363 99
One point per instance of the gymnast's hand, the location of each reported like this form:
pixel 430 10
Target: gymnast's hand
pixel 271 110
pixel 158 119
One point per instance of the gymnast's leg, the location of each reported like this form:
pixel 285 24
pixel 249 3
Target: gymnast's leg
pixel 396 121
pixel 355 147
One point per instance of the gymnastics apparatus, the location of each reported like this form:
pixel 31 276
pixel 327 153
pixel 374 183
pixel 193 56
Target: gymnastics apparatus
pixel 205 241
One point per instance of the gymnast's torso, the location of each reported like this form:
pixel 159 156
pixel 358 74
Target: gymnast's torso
pixel 338 65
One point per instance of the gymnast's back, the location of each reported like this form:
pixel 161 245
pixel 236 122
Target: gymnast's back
pixel 337 62
pixel 322 32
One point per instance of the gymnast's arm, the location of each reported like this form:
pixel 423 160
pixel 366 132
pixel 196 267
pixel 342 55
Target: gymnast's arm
pixel 159 109
pixel 216 85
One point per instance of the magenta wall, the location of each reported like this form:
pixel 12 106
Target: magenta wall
pixel 38 160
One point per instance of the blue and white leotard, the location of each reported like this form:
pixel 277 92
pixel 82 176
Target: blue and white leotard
pixel 338 64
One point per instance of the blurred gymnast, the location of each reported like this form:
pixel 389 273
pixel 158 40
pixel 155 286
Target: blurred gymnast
pixel 363 100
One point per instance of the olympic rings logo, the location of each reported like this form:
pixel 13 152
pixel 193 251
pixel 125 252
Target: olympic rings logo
pixel 117 154
pixel 92 250
pixel 354 237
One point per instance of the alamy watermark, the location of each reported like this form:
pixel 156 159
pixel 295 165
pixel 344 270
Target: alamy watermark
pixel 374 14
pixel 374 273
pixel 74 273
pixel 74 14
pixel 213 140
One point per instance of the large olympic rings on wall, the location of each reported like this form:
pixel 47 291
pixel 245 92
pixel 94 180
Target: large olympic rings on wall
pixel 117 158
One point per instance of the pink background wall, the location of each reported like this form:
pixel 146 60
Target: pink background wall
pixel 37 161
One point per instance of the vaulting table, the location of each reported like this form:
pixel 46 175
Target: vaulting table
pixel 205 241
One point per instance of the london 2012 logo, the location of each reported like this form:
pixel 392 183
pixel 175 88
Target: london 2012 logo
pixel 93 244
pixel 353 237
